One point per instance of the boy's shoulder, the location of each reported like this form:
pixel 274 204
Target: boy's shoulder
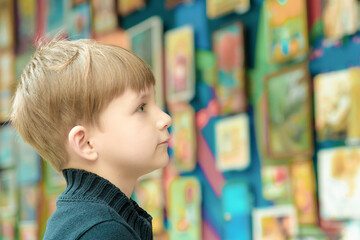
pixel 87 220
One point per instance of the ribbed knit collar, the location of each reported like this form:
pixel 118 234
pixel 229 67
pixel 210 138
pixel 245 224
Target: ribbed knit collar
pixel 83 185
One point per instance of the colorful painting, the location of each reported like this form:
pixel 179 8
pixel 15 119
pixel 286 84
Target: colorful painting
pixel 126 7
pixel 183 137
pixel 304 191
pixel 7 24
pixel 7 146
pixel 206 65
pixel 184 209
pixel 288 113
pixel 216 8
pixel 228 45
pixel 276 182
pixel 286 29
pixel 8 223
pixel 337 109
pixel 232 139
pixel 146 42
pixel 79 22
pixel 340 17
pixel 180 71
pixel 339 178
pixel 29 165
pixel 26 24
pixel 237 205
pixel 278 222
pixel 104 18
pixel 149 195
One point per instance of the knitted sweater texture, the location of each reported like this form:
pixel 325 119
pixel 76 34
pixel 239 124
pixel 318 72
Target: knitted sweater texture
pixel 93 208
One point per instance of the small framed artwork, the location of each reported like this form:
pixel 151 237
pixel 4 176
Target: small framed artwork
pixel 237 205
pixel 180 70
pixel 278 222
pixel 288 113
pixel 228 45
pixel 183 137
pixel 8 224
pixel 215 8
pixel 206 65
pixel 26 24
pixel 104 18
pixel 337 105
pixel 29 165
pixel 184 209
pixel 7 24
pixel 232 143
pixel 303 187
pixel 126 7
pixel 338 177
pixel 174 3
pixel 150 196
pixel 7 146
pixel 340 18
pixel 145 34
pixel 286 29
pixel 79 22
pixel 276 182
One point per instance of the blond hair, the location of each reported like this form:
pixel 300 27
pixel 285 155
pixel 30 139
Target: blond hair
pixel 67 83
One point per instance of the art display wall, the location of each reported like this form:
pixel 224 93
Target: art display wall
pixel 263 96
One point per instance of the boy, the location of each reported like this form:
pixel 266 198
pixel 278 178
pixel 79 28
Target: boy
pixel 89 109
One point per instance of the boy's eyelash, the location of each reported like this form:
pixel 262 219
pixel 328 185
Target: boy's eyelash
pixel 141 107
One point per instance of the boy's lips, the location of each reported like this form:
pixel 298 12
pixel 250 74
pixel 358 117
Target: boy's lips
pixel 164 142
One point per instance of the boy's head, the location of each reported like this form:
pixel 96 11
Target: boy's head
pixel 70 83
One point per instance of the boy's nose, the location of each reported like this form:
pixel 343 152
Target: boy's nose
pixel 164 121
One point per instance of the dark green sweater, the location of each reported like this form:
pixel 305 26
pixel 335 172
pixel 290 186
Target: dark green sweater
pixel 93 208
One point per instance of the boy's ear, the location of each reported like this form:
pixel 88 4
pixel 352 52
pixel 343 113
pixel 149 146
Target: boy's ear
pixel 80 143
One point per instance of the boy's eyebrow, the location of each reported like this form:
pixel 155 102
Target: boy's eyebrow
pixel 144 95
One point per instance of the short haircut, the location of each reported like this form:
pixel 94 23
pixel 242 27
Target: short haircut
pixel 67 83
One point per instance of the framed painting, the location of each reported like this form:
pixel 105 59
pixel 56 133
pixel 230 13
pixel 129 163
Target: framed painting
pixel 8 189
pixel 215 8
pixel 337 105
pixel 276 182
pixel 145 34
pixel 228 45
pixel 183 137
pixel 288 113
pixel 8 226
pixel 26 24
pixel 206 65
pixel 184 209
pixel 232 139
pixel 338 177
pixel 303 187
pixel 236 204
pixel 28 230
pixel 278 222
pixel 180 70
pixel 150 196
pixel 126 7
pixel 103 16
pixel 340 18
pixel 286 29
pixel 7 24
pixel 79 22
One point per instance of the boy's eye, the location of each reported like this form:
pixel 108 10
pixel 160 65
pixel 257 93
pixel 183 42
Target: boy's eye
pixel 141 108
